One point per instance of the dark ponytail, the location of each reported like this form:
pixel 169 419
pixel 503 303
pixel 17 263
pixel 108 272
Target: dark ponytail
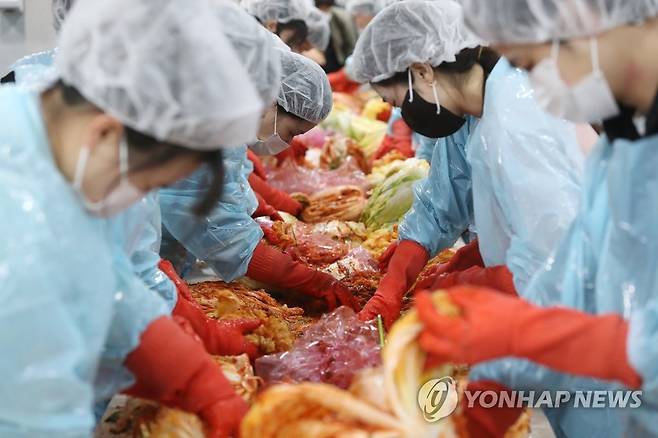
pixel 467 58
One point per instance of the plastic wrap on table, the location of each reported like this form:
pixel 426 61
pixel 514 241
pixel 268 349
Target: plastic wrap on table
pixel 292 178
pixel 337 149
pixel 302 242
pixel 331 351
pixel 357 260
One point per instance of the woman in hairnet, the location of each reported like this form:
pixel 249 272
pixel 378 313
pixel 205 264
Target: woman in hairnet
pixel 140 226
pixel 229 241
pixel 299 24
pixel 589 61
pixel 76 324
pixel 34 69
pixel 503 166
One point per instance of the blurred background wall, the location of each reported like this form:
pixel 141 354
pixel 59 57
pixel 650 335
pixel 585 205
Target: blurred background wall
pixel 22 33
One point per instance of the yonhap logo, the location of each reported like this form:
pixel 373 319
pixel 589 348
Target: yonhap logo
pixel 437 398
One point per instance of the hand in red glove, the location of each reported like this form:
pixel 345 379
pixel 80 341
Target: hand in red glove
pixel 341 83
pixel 495 277
pixel 493 325
pixel 172 368
pixel 405 265
pixel 384 259
pixel 226 338
pixel 281 201
pixel 271 266
pixel 259 168
pixel 399 140
pixel 168 269
pixel 489 422
pixel 265 209
pixel 465 257
pixel 223 338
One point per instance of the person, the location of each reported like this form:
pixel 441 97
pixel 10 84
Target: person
pixel 140 226
pixel 362 12
pixel 505 168
pixel 297 22
pixel 342 35
pixel 77 324
pixel 588 61
pixel 33 70
pixel 230 240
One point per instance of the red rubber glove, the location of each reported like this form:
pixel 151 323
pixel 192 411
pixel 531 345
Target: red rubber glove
pixel 384 259
pixel 399 140
pixel 224 338
pixel 495 277
pixel 271 266
pixel 405 265
pixel 296 152
pixel 168 269
pixel 281 201
pixel 493 325
pixel 265 209
pixel 259 168
pixel 172 368
pixel 488 422
pixel 341 83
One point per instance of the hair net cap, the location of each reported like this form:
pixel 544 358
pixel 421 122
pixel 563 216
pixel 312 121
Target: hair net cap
pixel 534 21
pixel 60 9
pixel 281 11
pixel 409 32
pixel 365 7
pixel 163 68
pixel 254 46
pixel 319 32
pixel 305 90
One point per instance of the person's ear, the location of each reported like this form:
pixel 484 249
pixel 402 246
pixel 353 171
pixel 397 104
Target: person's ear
pixel 271 25
pixel 103 129
pixel 422 71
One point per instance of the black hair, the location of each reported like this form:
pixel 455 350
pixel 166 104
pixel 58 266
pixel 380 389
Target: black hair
pixel 319 3
pixel 282 111
pixel 299 32
pixel 160 152
pixel 464 61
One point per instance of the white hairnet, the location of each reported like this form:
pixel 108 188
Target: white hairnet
pixel 254 46
pixel 281 11
pixel 163 68
pixel 305 90
pixel 60 9
pixel 533 21
pixel 365 7
pixel 319 31
pixel 409 32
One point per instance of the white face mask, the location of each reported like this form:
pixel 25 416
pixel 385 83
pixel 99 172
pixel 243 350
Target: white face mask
pixel 589 101
pixel 121 197
pixel 272 145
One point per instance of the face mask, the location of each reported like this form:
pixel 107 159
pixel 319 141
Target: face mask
pixel 429 119
pixel 589 101
pixel 121 197
pixel 272 145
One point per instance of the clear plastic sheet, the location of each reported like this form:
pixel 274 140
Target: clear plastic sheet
pixel 302 242
pixel 331 351
pixel 292 178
